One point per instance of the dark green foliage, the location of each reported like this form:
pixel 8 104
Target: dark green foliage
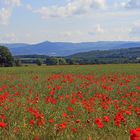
pixel 6 59
pixel 52 61
pixel 73 61
pixel 62 61
pixel 31 59
pixel 17 62
pixel 55 61
pixel 32 56
pixel 38 62
pixel 130 55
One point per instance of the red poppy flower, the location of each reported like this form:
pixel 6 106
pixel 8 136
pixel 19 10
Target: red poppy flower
pixel 2 125
pixel 106 118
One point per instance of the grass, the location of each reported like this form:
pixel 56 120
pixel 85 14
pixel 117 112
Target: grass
pixel 69 102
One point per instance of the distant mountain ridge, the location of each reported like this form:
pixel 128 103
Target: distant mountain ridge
pixel 14 45
pixel 65 48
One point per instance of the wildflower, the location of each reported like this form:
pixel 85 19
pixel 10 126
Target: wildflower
pixel 118 118
pixel 53 101
pixel 70 109
pixel 32 122
pixel 36 138
pixel 2 125
pixel 60 97
pixel 65 115
pixel 138 87
pixel 48 99
pixel 41 122
pixel 74 130
pixel 59 87
pixel 99 123
pixel 135 134
pixel 106 118
pixel 49 86
pixel 51 120
pixel 51 93
pixel 63 125
pixel 78 121
pixel 3 117
pixel 128 113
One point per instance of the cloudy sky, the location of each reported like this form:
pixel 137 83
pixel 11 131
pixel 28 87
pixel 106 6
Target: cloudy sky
pixel 32 21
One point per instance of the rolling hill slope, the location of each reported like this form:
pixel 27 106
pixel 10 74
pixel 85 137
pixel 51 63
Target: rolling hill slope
pixel 65 49
pixel 109 56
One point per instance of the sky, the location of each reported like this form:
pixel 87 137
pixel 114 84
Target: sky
pixel 34 21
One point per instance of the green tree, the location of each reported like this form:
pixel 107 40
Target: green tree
pixel 52 61
pixel 38 62
pixel 18 62
pixel 74 61
pixel 6 59
pixel 62 61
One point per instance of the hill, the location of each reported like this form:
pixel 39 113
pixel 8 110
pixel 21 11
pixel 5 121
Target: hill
pixel 108 56
pixel 65 48
pixel 14 45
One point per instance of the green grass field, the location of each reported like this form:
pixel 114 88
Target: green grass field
pixel 87 102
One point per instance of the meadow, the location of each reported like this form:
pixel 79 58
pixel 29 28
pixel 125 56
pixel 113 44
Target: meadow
pixel 78 102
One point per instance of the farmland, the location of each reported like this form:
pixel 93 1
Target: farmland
pixel 87 102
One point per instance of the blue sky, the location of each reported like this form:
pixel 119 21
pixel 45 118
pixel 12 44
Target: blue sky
pixel 32 21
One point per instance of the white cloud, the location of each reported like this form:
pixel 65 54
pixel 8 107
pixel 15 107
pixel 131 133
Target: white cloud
pixel 4 15
pixel 6 38
pixel 67 34
pixel 119 5
pixel 73 7
pixel 13 2
pixel 6 9
pixel 133 4
pixel 98 29
pixel 129 4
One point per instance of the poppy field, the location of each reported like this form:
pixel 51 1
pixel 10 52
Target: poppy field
pixel 91 102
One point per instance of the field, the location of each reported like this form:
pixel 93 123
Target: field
pixel 89 102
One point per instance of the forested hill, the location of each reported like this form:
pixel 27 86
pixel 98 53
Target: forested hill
pixel 117 55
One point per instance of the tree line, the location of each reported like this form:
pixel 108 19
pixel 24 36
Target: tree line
pixel 75 61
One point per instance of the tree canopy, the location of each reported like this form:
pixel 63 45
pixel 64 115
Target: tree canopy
pixel 6 59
